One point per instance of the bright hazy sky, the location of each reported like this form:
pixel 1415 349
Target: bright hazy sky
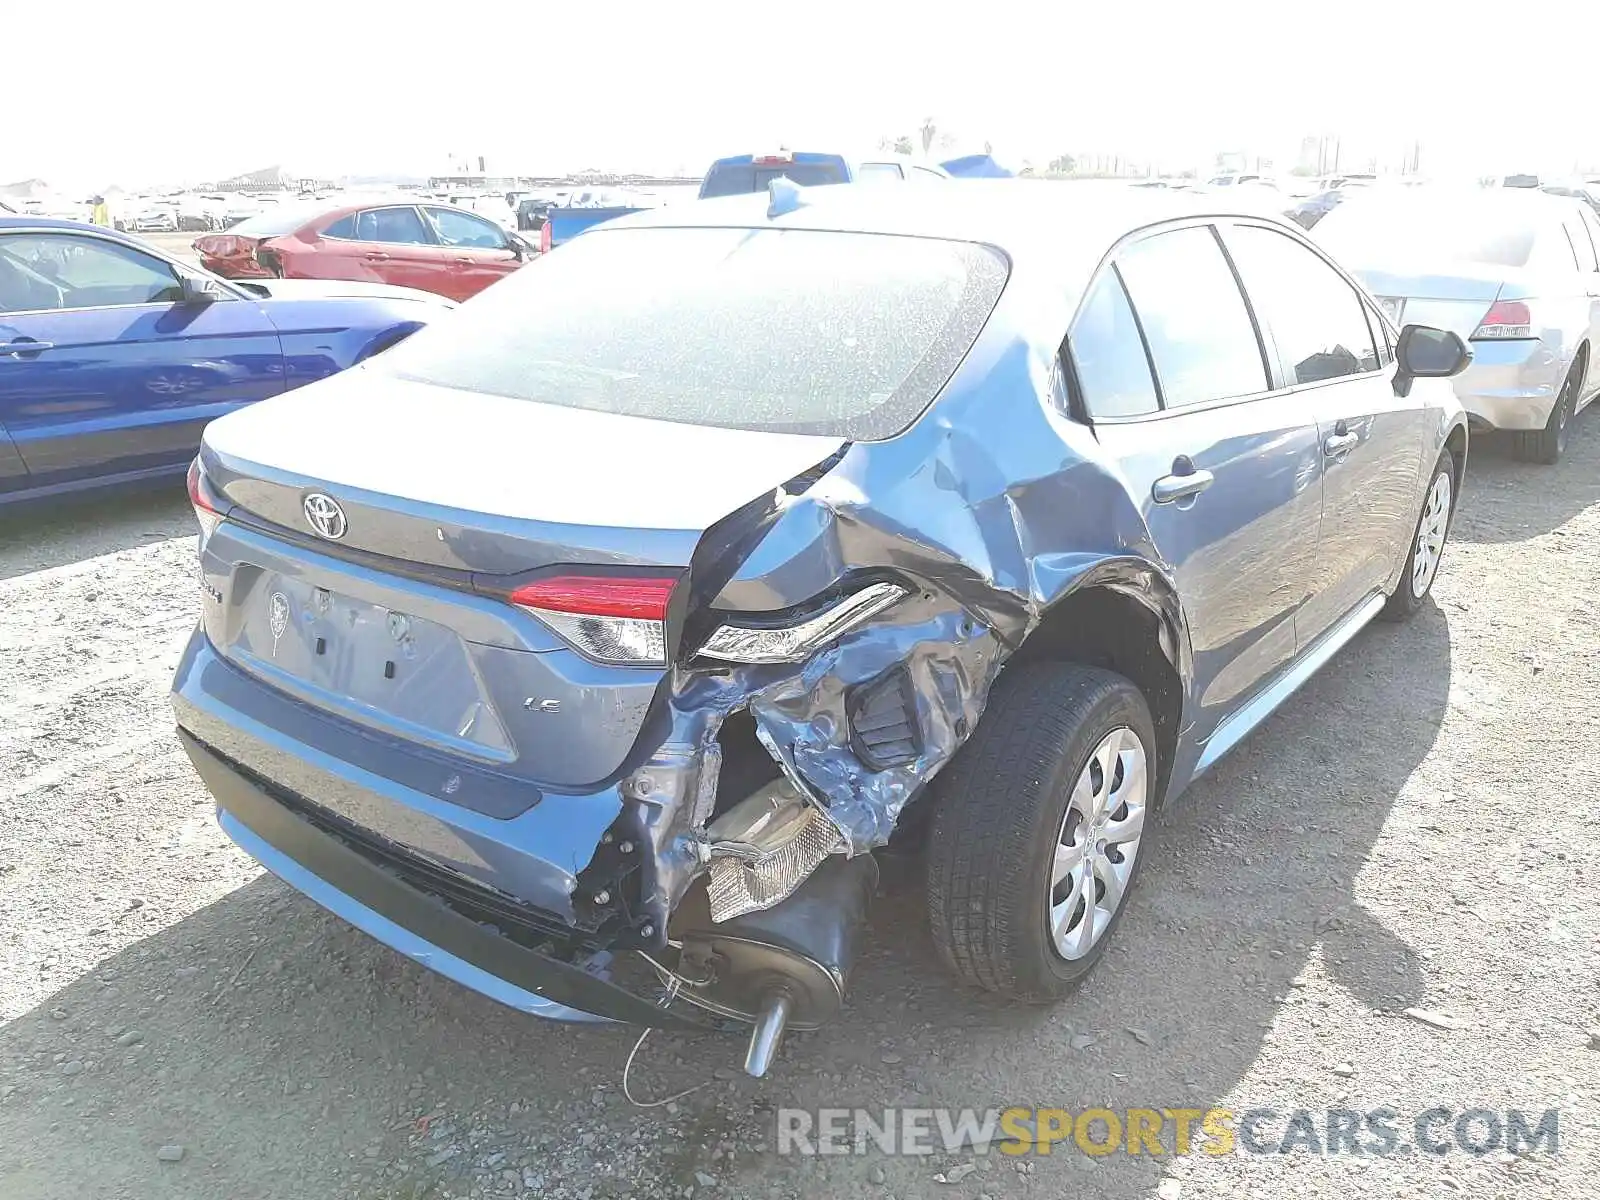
pixel 118 92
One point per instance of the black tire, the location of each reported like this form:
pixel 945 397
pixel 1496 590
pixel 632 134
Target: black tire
pixel 998 811
pixel 1546 445
pixel 1404 601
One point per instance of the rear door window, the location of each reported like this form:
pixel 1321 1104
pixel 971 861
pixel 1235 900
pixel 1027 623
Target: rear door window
pixel 1108 355
pixel 1582 247
pixel 796 331
pixel 403 225
pixel 1317 320
pixel 876 172
pixel 1202 340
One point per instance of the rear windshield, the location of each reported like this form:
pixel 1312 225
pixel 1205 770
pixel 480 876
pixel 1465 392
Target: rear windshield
pixel 1369 230
pixel 740 179
pixel 278 221
pixel 796 331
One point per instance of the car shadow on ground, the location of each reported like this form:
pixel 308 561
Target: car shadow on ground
pixel 40 535
pixel 1251 886
pixel 291 1056
pixel 1513 501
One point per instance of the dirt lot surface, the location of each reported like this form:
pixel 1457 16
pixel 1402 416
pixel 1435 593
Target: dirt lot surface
pixel 1416 829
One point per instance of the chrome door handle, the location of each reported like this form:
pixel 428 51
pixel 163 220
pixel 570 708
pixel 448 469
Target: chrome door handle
pixel 25 346
pixel 377 258
pixel 1180 487
pixel 1340 443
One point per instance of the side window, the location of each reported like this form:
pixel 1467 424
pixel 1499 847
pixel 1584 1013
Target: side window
pixel 59 271
pixel 1201 338
pixel 1591 228
pixel 391 225
pixel 1582 247
pixel 926 175
pixel 457 228
pixel 344 227
pixel 876 172
pixel 1108 354
pixel 1317 319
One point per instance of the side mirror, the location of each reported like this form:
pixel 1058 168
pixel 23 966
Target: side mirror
pixel 197 289
pixel 1427 353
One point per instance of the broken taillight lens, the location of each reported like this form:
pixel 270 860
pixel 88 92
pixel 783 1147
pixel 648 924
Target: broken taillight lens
pixel 204 511
pixel 611 618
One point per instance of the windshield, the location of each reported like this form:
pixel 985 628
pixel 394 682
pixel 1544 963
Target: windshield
pixel 797 331
pixel 1368 229
pixel 740 179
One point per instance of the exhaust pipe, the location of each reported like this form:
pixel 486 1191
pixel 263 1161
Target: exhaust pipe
pixel 784 967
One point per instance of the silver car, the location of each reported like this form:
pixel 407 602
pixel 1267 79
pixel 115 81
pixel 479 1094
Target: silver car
pixel 1514 270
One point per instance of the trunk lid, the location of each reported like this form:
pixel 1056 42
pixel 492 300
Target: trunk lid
pixel 448 498
pixel 1452 296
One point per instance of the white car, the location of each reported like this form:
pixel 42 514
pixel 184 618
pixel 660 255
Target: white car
pixel 156 220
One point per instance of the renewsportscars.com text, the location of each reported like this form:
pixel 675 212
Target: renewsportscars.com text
pixel 1166 1131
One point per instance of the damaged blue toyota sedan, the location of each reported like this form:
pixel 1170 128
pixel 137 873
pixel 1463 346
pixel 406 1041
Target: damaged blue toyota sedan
pixel 587 647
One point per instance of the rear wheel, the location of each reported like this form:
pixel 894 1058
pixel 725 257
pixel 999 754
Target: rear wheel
pixel 1546 445
pixel 1427 544
pixel 1037 828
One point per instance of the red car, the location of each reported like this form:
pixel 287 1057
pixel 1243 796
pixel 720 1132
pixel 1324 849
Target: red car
pixel 430 246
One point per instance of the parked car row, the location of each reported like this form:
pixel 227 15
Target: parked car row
pixel 114 356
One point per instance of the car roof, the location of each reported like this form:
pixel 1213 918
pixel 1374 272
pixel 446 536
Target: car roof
pixel 1016 216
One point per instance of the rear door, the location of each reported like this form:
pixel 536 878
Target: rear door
pixel 1338 367
pixel 1172 371
pixel 478 250
pixel 391 244
pixel 102 371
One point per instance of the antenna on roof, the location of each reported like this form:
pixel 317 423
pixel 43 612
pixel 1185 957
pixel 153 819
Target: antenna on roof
pixel 785 195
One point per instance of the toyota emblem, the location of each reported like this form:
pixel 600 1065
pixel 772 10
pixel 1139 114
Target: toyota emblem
pixel 325 516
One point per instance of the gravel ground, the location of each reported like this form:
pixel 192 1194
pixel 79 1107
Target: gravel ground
pixel 1416 829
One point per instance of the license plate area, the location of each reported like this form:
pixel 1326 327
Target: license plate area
pixel 383 667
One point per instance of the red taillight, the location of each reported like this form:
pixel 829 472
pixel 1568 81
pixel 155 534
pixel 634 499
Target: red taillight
pixel 1505 319
pixel 544 237
pixel 599 595
pixel 204 511
pixel 611 618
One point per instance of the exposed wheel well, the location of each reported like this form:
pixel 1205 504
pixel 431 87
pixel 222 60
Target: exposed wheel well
pixel 1103 627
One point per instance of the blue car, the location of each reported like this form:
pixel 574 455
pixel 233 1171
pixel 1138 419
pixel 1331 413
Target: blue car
pixel 588 647
pixel 114 356
pixel 739 174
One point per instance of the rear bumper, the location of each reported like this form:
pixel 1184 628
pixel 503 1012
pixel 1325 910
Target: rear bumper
pixel 292 825
pixel 1511 384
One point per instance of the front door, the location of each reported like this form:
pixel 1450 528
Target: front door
pixel 1227 474
pixel 1335 358
pixel 478 250
pixel 103 371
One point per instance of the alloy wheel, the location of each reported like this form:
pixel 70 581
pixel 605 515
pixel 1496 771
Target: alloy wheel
pixel 1098 843
pixel 1431 532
